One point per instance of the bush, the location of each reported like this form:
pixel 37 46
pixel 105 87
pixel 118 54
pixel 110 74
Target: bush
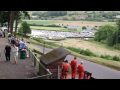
pixel 103 41
pixel 83 52
pixel 74 49
pixel 117 46
pixel 106 57
pixel 116 58
pixel 65 26
pixel 84 28
pixel 87 52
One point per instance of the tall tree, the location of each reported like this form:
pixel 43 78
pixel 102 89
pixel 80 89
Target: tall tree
pixel 118 32
pixel 12 18
pixel 18 16
pixel 3 17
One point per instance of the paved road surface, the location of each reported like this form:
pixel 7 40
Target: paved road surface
pixel 98 71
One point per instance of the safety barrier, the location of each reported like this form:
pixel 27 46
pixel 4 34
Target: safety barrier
pixel 43 73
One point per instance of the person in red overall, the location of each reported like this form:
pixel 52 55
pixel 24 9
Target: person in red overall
pixel 81 70
pixel 74 68
pixel 65 68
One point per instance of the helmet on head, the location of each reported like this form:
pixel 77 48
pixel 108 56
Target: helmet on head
pixel 81 62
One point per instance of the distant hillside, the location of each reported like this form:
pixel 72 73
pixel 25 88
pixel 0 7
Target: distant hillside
pixel 76 15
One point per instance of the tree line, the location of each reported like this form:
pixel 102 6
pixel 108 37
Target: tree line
pixel 49 13
pixel 109 35
pixel 91 15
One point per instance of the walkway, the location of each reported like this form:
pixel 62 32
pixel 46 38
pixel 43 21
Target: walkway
pixel 8 70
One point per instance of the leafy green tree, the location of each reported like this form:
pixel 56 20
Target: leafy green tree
pixel 118 32
pixel 4 17
pixel 84 28
pixel 18 16
pixel 24 29
pixel 106 33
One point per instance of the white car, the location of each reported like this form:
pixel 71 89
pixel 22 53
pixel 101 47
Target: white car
pixel 4 29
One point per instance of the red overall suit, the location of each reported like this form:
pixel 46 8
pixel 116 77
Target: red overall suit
pixel 81 71
pixel 65 68
pixel 74 68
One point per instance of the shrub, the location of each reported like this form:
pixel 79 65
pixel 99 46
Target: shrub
pixel 103 41
pixel 116 58
pixel 106 57
pixel 74 49
pixel 87 52
pixel 65 26
pixel 84 28
pixel 83 52
pixel 117 46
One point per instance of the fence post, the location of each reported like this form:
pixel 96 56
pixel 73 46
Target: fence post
pixel 39 69
pixel 58 72
pixel 35 60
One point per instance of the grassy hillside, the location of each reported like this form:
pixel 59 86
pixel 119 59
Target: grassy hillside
pixel 65 22
pixel 76 15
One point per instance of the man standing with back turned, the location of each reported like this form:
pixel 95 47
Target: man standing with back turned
pixel 7 52
pixel 74 67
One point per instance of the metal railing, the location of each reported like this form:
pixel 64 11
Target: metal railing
pixel 43 73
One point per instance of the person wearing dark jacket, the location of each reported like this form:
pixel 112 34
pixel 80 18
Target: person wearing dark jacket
pixel 7 51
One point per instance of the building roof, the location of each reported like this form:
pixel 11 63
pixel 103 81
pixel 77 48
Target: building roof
pixel 54 56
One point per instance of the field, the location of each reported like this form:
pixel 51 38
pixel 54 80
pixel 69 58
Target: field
pixel 109 63
pixel 96 48
pixel 52 28
pixel 63 22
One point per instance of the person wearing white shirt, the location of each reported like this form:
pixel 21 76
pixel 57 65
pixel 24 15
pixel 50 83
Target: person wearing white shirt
pixel 15 53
